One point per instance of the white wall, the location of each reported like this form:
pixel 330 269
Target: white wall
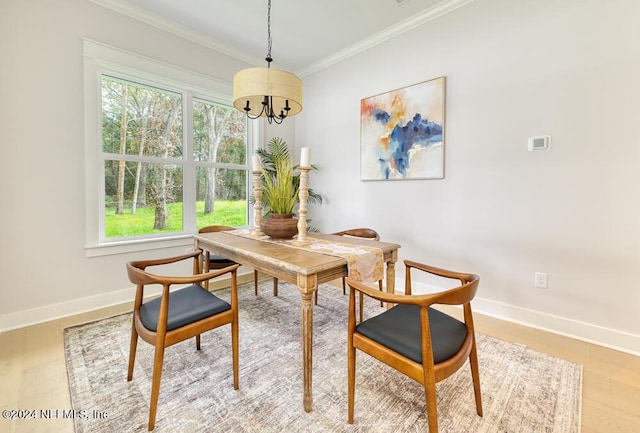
pixel 44 268
pixel 514 70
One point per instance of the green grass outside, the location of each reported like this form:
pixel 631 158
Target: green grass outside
pixel 228 213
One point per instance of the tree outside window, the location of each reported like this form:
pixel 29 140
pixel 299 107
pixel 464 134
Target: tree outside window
pixel 151 164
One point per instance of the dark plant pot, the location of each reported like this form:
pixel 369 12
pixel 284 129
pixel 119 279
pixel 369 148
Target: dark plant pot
pixel 280 226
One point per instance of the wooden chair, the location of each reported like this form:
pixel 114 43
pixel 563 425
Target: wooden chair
pixel 178 314
pixel 211 261
pixel 358 233
pixel 395 336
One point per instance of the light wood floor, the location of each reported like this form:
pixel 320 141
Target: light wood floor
pixel 33 374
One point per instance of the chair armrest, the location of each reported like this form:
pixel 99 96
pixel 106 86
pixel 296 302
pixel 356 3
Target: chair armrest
pixel 143 264
pixel 141 277
pixel 457 296
pixel 198 278
pixel 460 295
pixel 462 277
pixel 420 300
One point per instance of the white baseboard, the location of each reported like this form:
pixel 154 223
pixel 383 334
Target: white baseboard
pixel 47 313
pixel 588 332
pixel 607 337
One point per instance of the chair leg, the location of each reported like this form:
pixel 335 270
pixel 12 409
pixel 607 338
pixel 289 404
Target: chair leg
pixel 198 342
pixel 255 281
pixel 361 306
pixel 431 402
pixel 344 286
pixel 235 354
pixel 351 367
pixel 132 350
pixel 155 386
pixel 275 286
pixel 475 374
pixel 205 267
pixel 315 297
pixel 381 289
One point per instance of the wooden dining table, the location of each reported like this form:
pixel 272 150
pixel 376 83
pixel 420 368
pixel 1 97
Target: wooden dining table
pixel 304 268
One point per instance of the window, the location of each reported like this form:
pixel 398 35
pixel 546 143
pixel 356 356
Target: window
pixel 171 157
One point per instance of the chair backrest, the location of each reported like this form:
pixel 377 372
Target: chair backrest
pixel 460 295
pixel 213 229
pixel 136 270
pixel 360 233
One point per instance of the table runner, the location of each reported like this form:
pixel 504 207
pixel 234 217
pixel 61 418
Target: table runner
pixel 364 263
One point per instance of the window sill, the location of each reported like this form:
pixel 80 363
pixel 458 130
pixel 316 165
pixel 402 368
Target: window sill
pixel 138 245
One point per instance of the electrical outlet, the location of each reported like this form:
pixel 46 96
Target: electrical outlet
pixel 540 280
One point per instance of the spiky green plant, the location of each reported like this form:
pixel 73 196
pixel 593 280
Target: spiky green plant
pixel 279 190
pixel 277 150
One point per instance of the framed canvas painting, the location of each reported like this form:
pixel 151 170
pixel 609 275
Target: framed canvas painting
pixel 402 133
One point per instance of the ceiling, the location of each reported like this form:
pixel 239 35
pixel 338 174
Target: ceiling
pixel 307 35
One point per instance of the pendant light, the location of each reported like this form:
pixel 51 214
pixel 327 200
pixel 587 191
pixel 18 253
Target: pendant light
pixel 267 92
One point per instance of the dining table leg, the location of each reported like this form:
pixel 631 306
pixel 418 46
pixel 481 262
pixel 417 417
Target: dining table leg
pixel 307 284
pixel 391 275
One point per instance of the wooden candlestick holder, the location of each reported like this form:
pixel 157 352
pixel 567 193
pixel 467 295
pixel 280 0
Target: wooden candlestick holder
pixel 257 205
pixel 303 195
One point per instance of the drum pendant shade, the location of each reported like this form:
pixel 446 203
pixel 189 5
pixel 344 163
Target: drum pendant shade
pixel 282 88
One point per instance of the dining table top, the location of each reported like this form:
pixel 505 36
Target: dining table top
pixel 284 255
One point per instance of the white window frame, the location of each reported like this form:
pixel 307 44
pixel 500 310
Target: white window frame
pixel 101 59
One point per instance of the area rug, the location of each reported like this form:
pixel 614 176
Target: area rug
pixel 522 390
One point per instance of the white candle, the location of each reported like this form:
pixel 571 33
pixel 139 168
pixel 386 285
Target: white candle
pixel 257 163
pixel 305 157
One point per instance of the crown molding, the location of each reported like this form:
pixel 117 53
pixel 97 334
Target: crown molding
pixel 176 29
pixel 425 16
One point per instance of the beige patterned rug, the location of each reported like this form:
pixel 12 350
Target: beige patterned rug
pixel 522 390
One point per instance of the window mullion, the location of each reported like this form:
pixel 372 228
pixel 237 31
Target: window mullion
pixel 189 181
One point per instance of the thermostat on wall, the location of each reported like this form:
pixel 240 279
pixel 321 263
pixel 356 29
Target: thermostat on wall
pixel 540 143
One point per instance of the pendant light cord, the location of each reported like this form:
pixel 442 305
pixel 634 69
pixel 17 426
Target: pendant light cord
pixel 269 41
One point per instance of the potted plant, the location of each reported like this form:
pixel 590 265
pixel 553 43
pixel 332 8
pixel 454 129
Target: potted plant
pixel 280 186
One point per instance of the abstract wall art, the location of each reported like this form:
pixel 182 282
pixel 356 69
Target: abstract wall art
pixel 402 133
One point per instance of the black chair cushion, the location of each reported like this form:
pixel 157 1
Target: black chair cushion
pixel 399 329
pixel 186 306
pixel 220 260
